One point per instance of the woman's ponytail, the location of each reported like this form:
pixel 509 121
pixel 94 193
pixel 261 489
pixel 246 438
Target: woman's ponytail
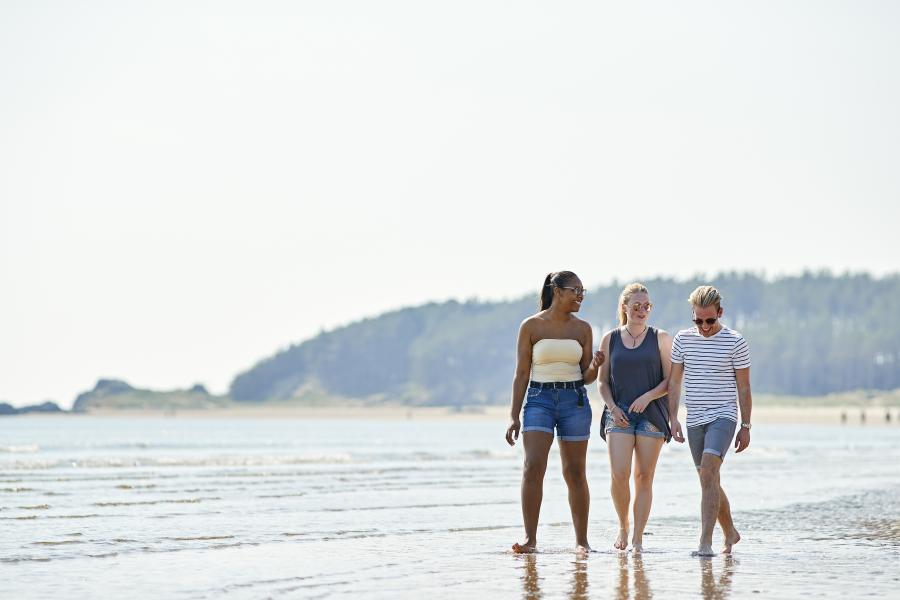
pixel 546 297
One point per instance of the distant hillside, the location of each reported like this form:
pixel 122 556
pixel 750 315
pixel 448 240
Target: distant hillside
pixel 809 335
pixel 115 394
pixel 43 408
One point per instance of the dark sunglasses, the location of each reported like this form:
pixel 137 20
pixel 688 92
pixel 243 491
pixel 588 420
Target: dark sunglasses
pixel 708 321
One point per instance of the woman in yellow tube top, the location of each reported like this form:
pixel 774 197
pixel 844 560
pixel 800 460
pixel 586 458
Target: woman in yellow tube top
pixel 555 360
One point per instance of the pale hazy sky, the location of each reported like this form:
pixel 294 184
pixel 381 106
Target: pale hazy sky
pixel 187 187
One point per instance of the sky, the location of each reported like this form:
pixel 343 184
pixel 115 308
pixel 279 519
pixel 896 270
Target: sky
pixel 188 187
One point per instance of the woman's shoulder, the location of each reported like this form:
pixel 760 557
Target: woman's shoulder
pixel 534 324
pixel 606 339
pixel 533 319
pixel 584 328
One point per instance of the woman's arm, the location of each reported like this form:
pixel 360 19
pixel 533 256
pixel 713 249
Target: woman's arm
pixel 606 394
pixel 664 341
pixel 520 381
pixel 590 360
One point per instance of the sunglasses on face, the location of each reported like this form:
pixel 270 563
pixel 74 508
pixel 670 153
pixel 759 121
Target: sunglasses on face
pixel 577 290
pixel 638 306
pixel 707 321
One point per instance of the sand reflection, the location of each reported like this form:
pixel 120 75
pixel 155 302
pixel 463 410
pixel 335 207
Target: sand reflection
pixel 636 576
pixel 579 588
pixel 712 586
pixel 531 586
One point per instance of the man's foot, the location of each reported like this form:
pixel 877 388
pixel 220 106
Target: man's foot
pixel 621 542
pixel 704 550
pixel 731 540
pixel 526 548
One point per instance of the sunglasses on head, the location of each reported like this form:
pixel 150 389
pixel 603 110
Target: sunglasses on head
pixel 707 321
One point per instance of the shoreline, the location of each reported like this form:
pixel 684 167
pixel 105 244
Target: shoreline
pixel 785 414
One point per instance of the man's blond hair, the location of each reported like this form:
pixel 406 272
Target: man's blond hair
pixel 706 295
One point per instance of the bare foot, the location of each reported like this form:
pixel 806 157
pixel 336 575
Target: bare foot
pixel 637 547
pixel 731 540
pixel 704 550
pixel 621 542
pixel 526 548
pixel 582 550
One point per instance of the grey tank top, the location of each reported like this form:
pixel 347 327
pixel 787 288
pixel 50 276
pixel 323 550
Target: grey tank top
pixel 633 372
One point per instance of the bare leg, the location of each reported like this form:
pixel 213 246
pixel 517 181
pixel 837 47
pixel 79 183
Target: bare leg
pixel 709 508
pixel 732 536
pixel 574 458
pixel 537 447
pixel 646 453
pixel 621 449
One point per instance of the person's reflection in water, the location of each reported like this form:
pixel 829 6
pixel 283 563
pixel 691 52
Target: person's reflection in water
pixel 531 586
pixel 622 590
pixel 712 587
pixel 579 589
pixel 641 583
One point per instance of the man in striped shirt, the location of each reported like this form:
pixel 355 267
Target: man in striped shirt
pixel 714 362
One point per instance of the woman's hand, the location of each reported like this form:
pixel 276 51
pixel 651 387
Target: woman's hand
pixel 619 417
pixel 640 404
pixel 598 360
pixel 512 432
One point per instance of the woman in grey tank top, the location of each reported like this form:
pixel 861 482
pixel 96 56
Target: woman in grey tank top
pixel 633 383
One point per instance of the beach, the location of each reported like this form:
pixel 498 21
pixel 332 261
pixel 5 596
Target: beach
pixel 419 503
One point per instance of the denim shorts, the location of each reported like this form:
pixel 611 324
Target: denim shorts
pixel 638 424
pixel 546 409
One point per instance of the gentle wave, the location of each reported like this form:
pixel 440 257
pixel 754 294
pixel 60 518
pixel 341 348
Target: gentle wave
pixel 58 543
pixel 405 506
pixel 150 502
pixel 23 449
pixel 214 461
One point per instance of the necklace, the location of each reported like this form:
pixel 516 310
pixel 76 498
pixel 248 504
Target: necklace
pixel 633 338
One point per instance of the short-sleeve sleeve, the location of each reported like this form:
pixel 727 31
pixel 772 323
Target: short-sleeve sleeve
pixel 677 349
pixel 740 356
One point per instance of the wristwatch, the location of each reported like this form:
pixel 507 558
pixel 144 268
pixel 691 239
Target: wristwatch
pixel 746 425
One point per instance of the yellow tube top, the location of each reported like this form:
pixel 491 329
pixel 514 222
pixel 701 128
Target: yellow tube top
pixel 556 360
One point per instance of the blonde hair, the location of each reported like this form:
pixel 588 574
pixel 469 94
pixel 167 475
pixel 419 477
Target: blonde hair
pixel 706 295
pixel 625 298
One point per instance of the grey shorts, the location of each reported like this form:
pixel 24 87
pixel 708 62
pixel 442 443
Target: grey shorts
pixel 714 437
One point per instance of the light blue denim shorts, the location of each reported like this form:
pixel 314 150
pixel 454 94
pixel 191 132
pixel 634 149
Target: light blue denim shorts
pixel 568 411
pixel 638 424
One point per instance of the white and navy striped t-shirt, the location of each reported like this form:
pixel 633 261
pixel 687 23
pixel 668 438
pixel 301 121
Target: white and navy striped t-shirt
pixel 710 389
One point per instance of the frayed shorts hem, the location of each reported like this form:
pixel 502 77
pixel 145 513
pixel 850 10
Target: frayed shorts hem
pixel 631 431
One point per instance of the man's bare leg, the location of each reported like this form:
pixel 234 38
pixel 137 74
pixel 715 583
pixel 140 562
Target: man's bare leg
pixel 646 453
pixel 621 449
pixel 574 459
pixel 709 507
pixel 537 447
pixel 732 536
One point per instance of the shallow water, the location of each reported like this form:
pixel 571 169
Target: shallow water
pixel 208 508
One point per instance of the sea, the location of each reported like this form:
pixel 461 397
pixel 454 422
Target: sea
pixel 192 508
